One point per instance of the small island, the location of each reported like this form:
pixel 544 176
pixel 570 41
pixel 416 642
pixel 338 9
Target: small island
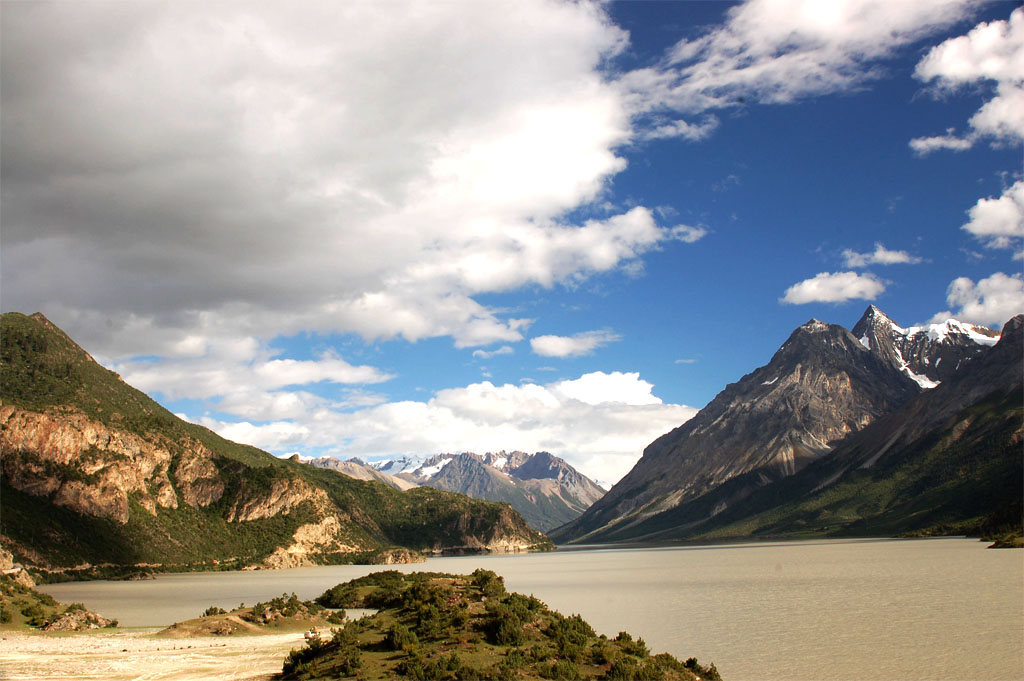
pixel 446 626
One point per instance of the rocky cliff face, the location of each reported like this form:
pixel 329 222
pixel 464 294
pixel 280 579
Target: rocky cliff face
pixel 84 465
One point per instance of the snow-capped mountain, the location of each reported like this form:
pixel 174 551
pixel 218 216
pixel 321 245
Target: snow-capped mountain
pixel 822 385
pixel 928 354
pixel 545 489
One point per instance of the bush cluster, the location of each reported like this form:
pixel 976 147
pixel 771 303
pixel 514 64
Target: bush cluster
pixel 284 605
pixel 345 656
pixel 441 668
pixel 570 636
pixel 507 617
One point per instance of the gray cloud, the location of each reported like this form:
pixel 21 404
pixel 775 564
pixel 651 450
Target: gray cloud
pixel 254 169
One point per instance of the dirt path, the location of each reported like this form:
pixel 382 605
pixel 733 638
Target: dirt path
pixel 137 655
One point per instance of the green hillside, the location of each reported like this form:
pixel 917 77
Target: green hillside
pixel 94 471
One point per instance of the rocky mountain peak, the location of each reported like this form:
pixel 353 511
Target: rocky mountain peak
pixel 819 387
pixel 873 318
pixel 814 326
pixel 930 353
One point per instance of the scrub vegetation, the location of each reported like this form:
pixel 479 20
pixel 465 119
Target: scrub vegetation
pixel 443 626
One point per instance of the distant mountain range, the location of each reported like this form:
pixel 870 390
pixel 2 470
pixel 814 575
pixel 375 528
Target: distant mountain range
pixel 883 430
pixel 543 488
pixel 97 473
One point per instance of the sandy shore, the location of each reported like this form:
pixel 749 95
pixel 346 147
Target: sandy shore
pixel 136 654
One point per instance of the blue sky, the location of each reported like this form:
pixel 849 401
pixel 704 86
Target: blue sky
pixel 445 227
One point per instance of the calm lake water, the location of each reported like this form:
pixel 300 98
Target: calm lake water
pixel 872 609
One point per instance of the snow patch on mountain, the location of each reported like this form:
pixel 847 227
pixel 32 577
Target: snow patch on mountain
pixel 430 471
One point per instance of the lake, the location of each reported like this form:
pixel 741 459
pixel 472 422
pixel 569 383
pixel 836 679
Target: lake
pixel 859 609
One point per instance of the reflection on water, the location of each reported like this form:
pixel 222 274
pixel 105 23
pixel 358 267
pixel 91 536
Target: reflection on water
pixel 922 609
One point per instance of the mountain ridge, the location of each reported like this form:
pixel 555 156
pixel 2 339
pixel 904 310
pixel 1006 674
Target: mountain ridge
pixel 822 385
pixel 544 488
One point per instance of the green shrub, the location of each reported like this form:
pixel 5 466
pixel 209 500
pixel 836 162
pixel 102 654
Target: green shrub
pixel 562 669
pixel 213 610
pixel 624 668
pixel 570 635
pixel 442 668
pixel 399 637
pixel 603 653
pixel 489 582
pixel 636 648
pixel 710 673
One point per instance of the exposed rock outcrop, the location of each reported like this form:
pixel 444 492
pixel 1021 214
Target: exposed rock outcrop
pixel 283 496
pixel 82 463
pixel 309 540
pixel 79 620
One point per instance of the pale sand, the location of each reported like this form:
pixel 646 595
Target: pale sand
pixel 135 654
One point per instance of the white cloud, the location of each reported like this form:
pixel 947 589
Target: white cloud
pixel 778 51
pixel 571 346
pixel 246 379
pixel 599 387
pixel 923 146
pixel 990 302
pixel 880 256
pixel 687 233
pixel 838 287
pixel 487 354
pixel 693 132
pixel 999 222
pixel 600 423
pixel 323 168
pixel 990 52
pixel 688 360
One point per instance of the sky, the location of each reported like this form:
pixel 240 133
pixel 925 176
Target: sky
pixel 403 228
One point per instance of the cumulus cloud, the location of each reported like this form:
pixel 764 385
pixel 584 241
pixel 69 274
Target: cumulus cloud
pixel 837 287
pixel 325 168
pixel 990 302
pixel 487 354
pixel 991 52
pixel 246 378
pixel 999 222
pixel 599 422
pixel 880 256
pixel 779 51
pixel 571 346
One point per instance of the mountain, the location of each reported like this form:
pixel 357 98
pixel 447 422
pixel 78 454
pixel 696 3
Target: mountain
pixel 360 470
pixel 824 384
pixel 95 472
pixel 947 462
pixel 928 354
pixel 546 490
